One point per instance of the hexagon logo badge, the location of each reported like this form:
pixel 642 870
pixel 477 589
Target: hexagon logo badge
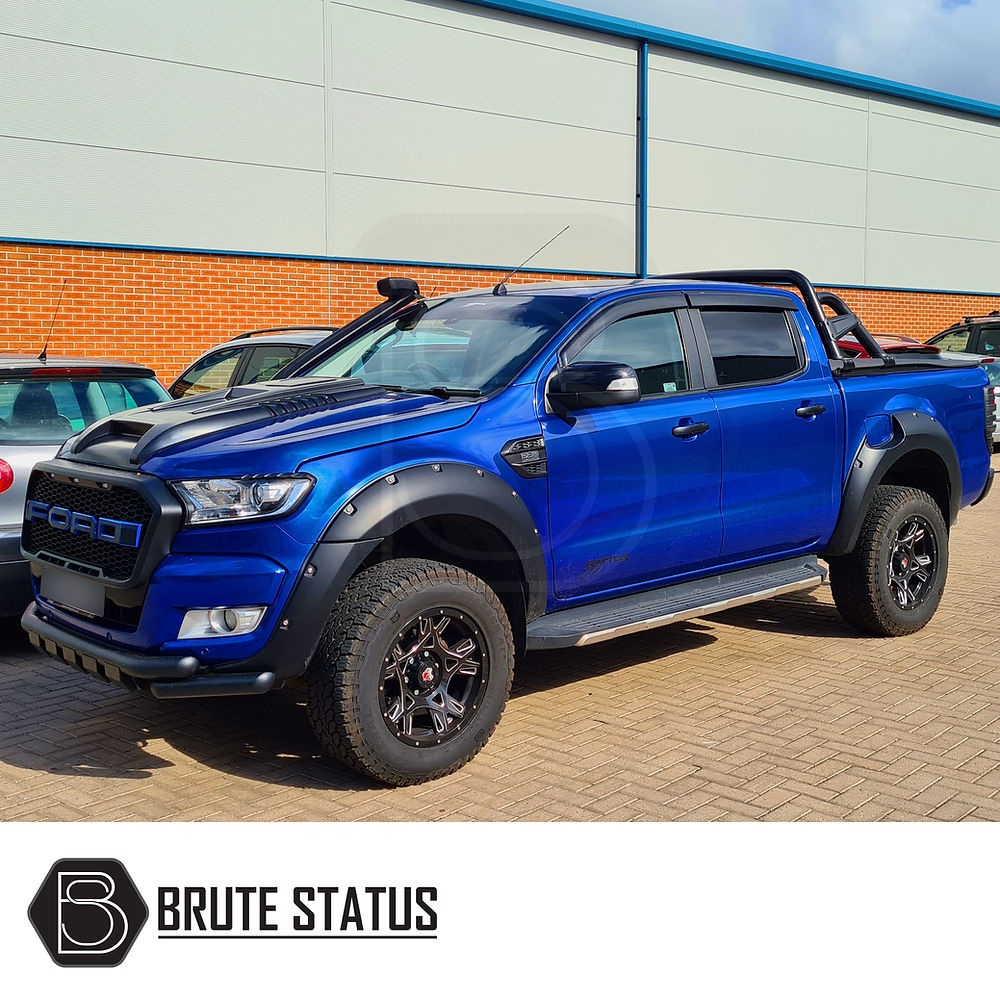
pixel 88 912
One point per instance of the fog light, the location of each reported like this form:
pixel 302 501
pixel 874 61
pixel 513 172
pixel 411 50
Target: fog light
pixel 203 623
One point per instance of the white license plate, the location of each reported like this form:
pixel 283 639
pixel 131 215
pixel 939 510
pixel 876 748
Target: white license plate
pixel 78 593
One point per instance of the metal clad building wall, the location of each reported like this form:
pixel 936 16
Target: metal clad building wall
pixel 467 137
pixel 934 198
pixel 752 169
pixel 197 123
pixel 442 131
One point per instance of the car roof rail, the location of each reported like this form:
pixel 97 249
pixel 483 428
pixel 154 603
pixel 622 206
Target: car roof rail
pixel 782 277
pixel 282 329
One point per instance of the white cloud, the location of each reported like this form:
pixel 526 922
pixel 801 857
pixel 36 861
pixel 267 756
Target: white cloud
pixel 947 45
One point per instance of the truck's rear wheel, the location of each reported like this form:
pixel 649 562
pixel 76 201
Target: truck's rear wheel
pixel 891 584
pixel 413 671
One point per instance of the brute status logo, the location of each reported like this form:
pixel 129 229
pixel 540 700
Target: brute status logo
pixel 88 912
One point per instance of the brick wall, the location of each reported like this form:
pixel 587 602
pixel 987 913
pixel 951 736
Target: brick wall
pixel 914 314
pixel 164 309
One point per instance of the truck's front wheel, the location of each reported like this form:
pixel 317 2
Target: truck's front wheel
pixel 891 584
pixel 413 671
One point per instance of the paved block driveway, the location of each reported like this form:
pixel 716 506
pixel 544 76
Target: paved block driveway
pixel 776 711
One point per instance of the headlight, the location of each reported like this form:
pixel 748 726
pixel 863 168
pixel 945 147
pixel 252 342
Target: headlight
pixel 242 499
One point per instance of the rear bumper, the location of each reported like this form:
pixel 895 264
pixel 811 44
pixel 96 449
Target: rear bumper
pixel 986 489
pixel 15 579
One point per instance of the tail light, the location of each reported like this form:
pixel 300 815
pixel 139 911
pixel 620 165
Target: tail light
pixel 6 476
pixel 65 372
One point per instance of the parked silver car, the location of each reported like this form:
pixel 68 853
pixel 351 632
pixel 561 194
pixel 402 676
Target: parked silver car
pixel 42 403
pixel 242 360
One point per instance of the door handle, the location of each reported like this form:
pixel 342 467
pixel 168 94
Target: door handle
pixel 689 430
pixel 810 411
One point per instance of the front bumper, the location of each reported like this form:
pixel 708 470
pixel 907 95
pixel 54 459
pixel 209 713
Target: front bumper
pixel 162 676
pixel 286 653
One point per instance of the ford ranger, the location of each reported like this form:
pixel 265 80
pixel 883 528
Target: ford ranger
pixel 445 483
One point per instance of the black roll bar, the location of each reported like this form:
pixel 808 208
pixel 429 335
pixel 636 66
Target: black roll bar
pixel 860 331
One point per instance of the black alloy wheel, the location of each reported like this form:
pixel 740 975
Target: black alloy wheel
pixel 912 563
pixel 891 583
pixel 412 671
pixel 433 677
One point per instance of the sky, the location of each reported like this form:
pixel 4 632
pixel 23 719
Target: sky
pixel 947 45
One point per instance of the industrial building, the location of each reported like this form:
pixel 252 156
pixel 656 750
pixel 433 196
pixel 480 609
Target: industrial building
pixel 199 168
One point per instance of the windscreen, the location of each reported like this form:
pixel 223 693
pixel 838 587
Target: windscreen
pixel 47 411
pixel 476 343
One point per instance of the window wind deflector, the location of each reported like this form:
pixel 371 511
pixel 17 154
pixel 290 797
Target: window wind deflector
pixel 772 276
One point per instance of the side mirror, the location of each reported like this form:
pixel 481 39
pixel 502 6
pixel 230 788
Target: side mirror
pixel 593 383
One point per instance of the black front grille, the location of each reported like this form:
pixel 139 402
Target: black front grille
pixel 77 551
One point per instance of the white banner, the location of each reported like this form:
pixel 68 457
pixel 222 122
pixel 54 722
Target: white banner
pixel 386 910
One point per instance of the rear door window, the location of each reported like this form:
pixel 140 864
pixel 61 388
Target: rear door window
pixel 751 345
pixel 989 340
pixel 267 360
pixel 212 372
pixel 957 340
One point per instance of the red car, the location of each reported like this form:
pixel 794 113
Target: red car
pixel 891 345
pixel 853 348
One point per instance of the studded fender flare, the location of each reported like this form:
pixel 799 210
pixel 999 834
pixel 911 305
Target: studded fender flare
pixel 912 431
pixel 405 496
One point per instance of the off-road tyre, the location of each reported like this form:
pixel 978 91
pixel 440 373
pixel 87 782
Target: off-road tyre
pixel 347 702
pixel 862 581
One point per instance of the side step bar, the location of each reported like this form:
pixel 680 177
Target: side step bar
pixel 624 615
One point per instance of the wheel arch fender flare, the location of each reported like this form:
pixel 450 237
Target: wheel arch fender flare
pixel 912 432
pixel 401 498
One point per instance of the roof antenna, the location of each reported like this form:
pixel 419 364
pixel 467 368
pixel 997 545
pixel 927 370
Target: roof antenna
pixel 44 356
pixel 500 288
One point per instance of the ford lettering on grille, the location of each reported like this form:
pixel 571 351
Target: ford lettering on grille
pixel 101 529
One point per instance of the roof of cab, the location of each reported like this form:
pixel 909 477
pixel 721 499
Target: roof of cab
pixel 596 288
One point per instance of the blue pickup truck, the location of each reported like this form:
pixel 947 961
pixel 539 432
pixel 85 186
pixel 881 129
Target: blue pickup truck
pixel 445 483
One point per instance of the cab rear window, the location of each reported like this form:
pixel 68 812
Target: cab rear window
pixel 47 411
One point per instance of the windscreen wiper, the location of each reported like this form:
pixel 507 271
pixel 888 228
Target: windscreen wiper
pixel 441 391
